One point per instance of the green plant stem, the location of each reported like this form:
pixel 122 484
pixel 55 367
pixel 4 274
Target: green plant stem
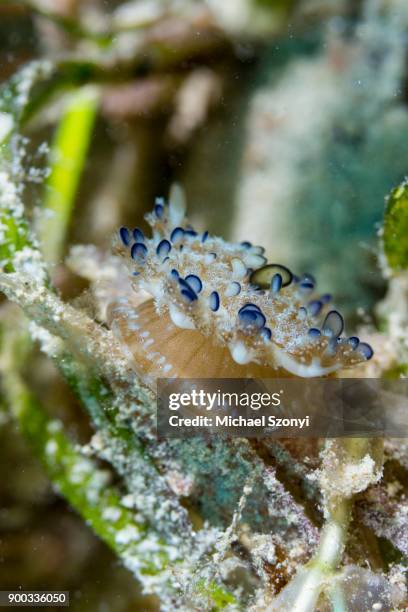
pixel 334 534
pixel 67 158
pixel 302 593
pixel 77 478
pixel 17 237
pixel 326 559
pixel 131 459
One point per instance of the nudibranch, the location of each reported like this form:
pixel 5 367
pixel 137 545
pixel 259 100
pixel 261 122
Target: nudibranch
pixel 205 308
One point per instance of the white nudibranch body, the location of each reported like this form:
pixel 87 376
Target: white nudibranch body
pixel 219 310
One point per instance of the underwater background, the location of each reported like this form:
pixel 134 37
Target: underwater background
pixel 286 124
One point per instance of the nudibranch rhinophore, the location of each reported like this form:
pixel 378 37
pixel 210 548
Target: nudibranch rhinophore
pixel 206 308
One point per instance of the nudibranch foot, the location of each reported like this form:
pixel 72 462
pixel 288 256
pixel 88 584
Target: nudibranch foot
pixel 157 348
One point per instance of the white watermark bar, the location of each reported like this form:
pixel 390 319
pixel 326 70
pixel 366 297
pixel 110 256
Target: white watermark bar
pixel 34 599
pixel 282 407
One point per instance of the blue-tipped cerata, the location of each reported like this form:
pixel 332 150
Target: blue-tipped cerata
pixel 138 251
pixel 214 301
pixel 124 235
pixel 195 282
pixel 163 248
pixel 333 324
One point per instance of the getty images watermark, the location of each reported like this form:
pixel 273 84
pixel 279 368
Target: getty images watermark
pixel 225 404
pixel 282 407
